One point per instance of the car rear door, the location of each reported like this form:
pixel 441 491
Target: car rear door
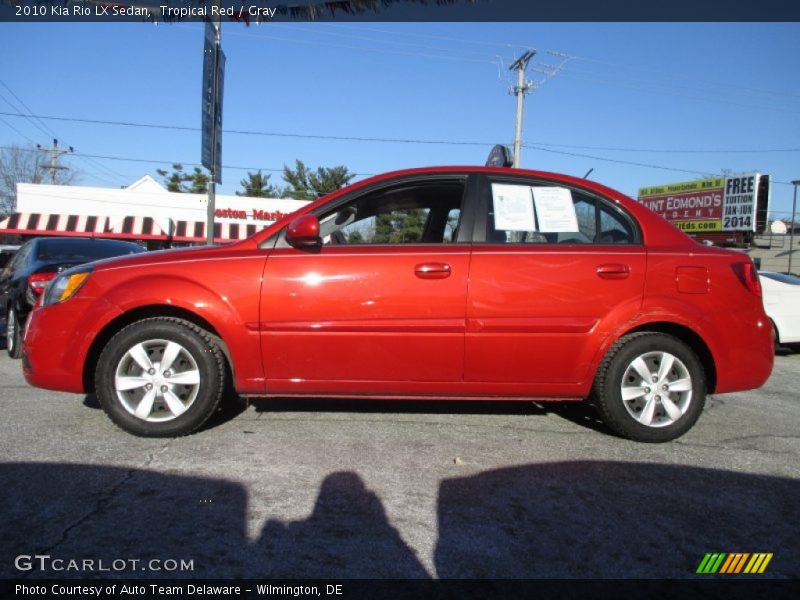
pixel 380 307
pixel 554 270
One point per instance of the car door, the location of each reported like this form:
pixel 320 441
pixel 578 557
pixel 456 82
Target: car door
pixel 379 307
pixel 554 270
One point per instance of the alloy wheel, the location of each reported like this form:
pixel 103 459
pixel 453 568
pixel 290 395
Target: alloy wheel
pixel 656 389
pixel 157 380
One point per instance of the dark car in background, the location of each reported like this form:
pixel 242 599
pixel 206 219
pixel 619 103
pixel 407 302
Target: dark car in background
pixel 7 252
pixel 38 261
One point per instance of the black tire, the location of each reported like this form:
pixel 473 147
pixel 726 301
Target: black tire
pixel 778 347
pixel 199 357
pixel 658 407
pixel 13 334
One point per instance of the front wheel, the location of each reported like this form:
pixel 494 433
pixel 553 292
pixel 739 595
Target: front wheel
pixel 650 387
pixel 13 334
pixel 160 377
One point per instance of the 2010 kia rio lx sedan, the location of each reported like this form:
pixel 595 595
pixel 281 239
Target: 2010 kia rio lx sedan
pixel 438 283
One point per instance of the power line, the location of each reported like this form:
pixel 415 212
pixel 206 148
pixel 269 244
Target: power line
pixel 710 85
pixel 273 170
pixel 438 37
pixel 268 38
pixel 671 150
pixel 392 140
pixel 365 39
pixel 21 113
pixel 47 130
pixel 171 162
pixel 636 164
pixel 17 130
pixel 651 90
pixel 256 133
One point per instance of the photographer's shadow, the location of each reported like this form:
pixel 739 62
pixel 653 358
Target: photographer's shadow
pixel 347 536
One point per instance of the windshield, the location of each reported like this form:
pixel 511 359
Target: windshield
pixel 782 277
pixel 83 250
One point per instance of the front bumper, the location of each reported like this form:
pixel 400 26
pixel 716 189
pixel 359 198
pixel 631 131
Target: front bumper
pixel 57 340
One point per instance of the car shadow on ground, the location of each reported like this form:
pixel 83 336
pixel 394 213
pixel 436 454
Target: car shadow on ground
pixel 580 413
pixel 564 519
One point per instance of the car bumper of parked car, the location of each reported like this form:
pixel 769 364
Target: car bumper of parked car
pixel 56 342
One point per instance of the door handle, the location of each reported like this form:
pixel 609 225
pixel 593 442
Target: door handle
pixel 432 270
pixel 613 271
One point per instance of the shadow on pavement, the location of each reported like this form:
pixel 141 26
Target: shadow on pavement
pixel 347 534
pixel 611 519
pixel 566 519
pixel 359 405
pixel 580 413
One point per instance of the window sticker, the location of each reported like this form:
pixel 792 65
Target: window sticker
pixel 555 209
pixel 513 209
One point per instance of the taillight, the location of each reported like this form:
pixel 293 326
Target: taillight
pixel 38 281
pixel 748 275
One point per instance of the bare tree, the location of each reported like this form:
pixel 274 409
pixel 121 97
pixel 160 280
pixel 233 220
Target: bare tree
pixel 26 165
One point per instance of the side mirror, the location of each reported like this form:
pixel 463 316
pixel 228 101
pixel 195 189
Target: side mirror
pixel 303 232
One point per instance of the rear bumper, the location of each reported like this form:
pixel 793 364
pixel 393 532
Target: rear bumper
pixel 746 361
pixel 57 339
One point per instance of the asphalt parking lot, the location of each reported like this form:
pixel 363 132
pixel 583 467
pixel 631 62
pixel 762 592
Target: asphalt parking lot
pixel 339 489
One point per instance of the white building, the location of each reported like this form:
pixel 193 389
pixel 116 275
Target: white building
pixel 144 210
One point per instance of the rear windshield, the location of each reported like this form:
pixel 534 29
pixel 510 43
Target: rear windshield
pixel 783 277
pixel 85 250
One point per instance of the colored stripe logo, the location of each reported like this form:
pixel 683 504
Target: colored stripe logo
pixel 734 563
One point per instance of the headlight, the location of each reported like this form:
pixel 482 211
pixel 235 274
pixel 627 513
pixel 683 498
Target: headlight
pixel 63 287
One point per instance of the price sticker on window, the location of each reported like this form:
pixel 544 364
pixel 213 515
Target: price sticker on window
pixel 513 208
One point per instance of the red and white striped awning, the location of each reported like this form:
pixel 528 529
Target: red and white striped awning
pixel 53 224
pixel 135 228
pixel 195 231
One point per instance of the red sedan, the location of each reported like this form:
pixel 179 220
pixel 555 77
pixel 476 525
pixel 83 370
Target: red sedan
pixel 439 283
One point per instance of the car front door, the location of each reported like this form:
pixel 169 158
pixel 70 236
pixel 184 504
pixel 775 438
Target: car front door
pixel 380 307
pixel 557 270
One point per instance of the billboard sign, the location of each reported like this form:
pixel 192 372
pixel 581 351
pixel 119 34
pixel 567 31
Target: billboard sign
pixel 212 107
pixel 706 205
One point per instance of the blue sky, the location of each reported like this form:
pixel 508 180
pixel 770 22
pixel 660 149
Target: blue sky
pixel 657 90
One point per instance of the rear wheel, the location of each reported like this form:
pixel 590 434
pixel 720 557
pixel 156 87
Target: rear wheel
pixel 13 334
pixel 160 377
pixel 650 387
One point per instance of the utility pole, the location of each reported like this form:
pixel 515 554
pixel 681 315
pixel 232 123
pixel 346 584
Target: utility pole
pixel 212 184
pixel 55 153
pixel 211 144
pixel 795 183
pixel 526 87
pixel 520 90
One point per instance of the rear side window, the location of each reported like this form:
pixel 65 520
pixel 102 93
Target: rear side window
pixel 540 214
pixel 87 250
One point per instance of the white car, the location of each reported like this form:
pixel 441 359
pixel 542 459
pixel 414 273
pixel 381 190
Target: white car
pixel 782 303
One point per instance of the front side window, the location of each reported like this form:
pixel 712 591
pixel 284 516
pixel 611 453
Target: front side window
pixel 542 214
pixel 412 213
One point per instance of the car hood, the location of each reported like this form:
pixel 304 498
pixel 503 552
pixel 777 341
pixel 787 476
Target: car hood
pixel 157 257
